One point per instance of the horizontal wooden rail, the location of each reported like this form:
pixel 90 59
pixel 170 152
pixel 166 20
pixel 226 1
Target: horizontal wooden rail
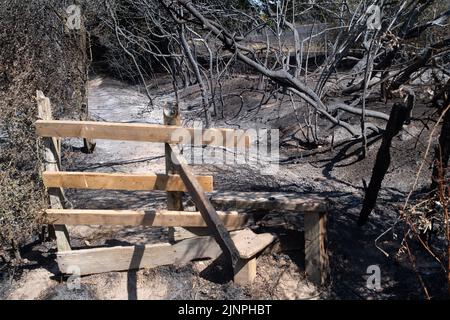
pixel 142 132
pixel 120 181
pixel 162 218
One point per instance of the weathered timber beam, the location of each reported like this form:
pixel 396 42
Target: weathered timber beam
pixel 52 162
pixel 120 181
pixel 203 204
pixel 142 132
pixel 98 260
pixel 269 201
pixel 160 218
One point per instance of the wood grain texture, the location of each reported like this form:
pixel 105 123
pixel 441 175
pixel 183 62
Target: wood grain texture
pixel 121 181
pixel 250 243
pixel 245 271
pixel 180 233
pixel 99 260
pixel 316 256
pixel 140 132
pixel 162 218
pixel 171 117
pixel 52 162
pixel 302 203
pixel 203 204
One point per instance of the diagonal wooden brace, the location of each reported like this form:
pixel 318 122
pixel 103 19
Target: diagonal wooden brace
pixel 205 207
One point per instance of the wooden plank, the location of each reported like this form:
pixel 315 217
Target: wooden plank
pixel 205 207
pixel 269 201
pixel 179 233
pixel 120 181
pixel 316 256
pixel 192 232
pixel 245 272
pixel 98 260
pixel 52 162
pixel 162 218
pixel 139 132
pixel 250 243
pixel 253 246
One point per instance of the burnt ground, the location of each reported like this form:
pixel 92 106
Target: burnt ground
pixel 336 175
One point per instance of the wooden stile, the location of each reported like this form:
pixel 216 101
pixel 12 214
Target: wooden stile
pixel 241 247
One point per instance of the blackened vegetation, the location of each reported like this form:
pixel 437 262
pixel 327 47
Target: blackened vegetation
pixel 331 76
pixel 408 52
pixel 442 153
pixel 37 52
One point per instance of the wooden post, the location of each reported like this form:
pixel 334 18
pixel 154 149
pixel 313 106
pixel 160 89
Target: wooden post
pixel 174 198
pixel 245 271
pixel 52 162
pixel 316 256
pixel 88 144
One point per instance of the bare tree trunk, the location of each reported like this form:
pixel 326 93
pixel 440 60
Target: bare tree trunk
pixel 83 69
pixel 198 75
pixel 399 115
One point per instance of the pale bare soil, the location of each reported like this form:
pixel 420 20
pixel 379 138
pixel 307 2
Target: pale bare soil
pixel 335 175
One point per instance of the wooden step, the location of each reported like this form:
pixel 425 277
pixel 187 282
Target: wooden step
pixel 269 201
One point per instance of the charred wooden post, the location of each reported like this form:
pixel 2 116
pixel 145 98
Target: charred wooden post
pixel 399 115
pixel 83 68
pixel 442 152
pixel 88 144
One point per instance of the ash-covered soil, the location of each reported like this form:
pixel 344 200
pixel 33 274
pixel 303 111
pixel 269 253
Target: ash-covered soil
pixel 336 175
